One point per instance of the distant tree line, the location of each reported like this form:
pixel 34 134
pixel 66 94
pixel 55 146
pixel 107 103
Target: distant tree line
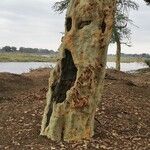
pixel 7 49
pixel 143 55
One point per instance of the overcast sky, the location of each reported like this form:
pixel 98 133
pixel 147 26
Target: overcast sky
pixel 32 23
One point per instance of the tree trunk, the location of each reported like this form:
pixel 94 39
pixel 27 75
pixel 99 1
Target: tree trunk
pixel 76 83
pixel 118 55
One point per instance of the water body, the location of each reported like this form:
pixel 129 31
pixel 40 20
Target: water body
pixel 23 67
pixel 128 66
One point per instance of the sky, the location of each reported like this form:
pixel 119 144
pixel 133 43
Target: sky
pixel 33 23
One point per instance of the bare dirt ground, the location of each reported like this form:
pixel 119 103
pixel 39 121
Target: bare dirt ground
pixel 122 121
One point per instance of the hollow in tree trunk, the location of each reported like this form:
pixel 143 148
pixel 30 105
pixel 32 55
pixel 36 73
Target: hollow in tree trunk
pixel 76 83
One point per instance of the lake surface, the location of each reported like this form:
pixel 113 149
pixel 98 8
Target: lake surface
pixel 22 67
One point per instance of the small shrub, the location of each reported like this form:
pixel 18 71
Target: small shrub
pixel 147 61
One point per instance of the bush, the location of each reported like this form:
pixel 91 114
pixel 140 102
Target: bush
pixel 147 61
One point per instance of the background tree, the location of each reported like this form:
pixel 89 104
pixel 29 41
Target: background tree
pixel 147 1
pixel 121 32
pixel 6 49
pixel 14 49
pixel 61 6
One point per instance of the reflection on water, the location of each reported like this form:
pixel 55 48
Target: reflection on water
pixel 21 67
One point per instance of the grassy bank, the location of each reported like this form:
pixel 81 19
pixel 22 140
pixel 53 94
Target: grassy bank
pixel 126 59
pixel 24 57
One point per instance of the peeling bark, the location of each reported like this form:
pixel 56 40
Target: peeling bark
pixel 76 83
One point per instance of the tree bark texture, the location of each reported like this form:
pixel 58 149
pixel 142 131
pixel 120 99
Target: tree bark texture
pixel 118 55
pixel 118 50
pixel 76 83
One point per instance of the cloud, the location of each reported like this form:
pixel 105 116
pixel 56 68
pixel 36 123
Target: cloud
pixel 30 23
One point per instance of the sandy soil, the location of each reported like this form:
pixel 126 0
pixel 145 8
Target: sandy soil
pixel 122 121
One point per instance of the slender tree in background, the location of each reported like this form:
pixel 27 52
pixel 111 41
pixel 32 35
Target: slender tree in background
pixel 76 83
pixel 121 32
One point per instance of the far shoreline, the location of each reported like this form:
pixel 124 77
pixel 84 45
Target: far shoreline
pixel 27 57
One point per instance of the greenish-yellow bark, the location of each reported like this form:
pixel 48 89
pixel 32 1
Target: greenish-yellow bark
pixel 76 83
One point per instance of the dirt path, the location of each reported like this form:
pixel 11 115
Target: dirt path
pixel 122 121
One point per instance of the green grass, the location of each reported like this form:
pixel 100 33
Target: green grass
pixel 23 57
pixel 126 59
